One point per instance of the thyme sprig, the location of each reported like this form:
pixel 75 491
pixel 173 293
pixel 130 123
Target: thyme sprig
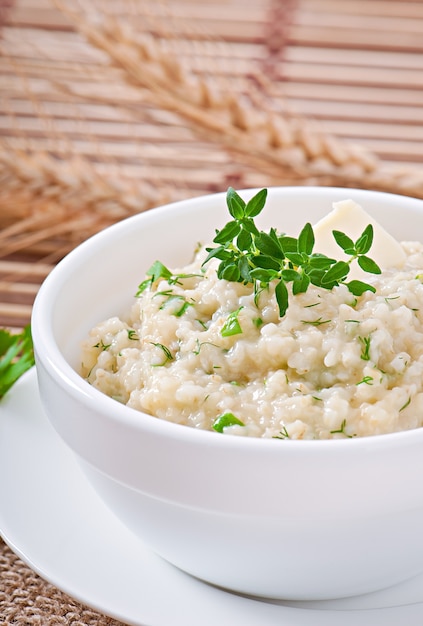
pixel 252 256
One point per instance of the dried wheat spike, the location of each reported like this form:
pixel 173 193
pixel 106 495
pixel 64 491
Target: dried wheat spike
pixel 51 198
pixel 278 143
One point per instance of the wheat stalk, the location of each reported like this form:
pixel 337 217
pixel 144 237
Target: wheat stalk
pixel 70 198
pixel 63 197
pixel 278 143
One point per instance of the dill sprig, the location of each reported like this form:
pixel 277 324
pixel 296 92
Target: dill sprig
pixel 252 256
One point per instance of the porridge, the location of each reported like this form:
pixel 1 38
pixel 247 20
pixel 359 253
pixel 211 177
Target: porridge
pixel 332 361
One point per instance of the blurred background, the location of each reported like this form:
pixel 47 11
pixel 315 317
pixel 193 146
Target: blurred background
pixel 110 108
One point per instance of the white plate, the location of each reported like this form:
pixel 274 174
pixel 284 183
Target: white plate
pixel 51 517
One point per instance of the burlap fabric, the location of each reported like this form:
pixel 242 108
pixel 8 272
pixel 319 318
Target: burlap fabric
pixel 28 600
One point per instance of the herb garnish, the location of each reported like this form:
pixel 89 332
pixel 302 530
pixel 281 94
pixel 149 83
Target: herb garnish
pixel 341 430
pixel 172 297
pixel 317 322
pixel 225 420
pixel 366 380
pixel 16 357
pixel 157 271
pixel 166 351
pixel 102 345
pixel 283 434
pixel 200 344
pixel 232 325
pixel 365 352
pixel 252 256
pixel 404 406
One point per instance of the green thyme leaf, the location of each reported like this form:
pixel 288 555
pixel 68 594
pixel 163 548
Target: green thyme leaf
pixel 236 204
pixel 228 232
pixel 244 240
pixel 268 246
pixel 345 242
pixel 256 204
pixel 281 293
pixel 337 272
pixel 288 244
pixel 306 240
pixel 231 272
pixel 357 287
pixel 301 284
pixel 364 242
pixel 368 265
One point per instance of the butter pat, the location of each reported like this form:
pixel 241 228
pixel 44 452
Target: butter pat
pixel 348 217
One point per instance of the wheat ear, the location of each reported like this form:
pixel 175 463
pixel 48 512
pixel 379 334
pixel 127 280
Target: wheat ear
pixel 271 141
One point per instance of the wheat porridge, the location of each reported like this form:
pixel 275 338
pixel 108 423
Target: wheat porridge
pixel 216 353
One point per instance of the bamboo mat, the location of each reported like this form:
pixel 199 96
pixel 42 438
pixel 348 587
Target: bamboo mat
pixel 354 68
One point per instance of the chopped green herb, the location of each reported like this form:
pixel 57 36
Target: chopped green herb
pixel 171 297
pixel 283 434
pixel 157 271
pixel 257 321
pixel 176 279
pixel 166 351
pixel 132 334
pixel 341 430
pixel 365 352
pixel 225 420
pixel 404 406
pixel 203 324
pixel 366 380
pixel 317 322
pixel 16 357
pixel 199 345
pixel 102 345
pixel 232 325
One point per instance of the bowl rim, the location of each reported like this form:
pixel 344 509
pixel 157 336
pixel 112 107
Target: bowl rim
pixel 49 355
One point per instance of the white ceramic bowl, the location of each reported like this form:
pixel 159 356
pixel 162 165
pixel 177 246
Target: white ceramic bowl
pixel 302 520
